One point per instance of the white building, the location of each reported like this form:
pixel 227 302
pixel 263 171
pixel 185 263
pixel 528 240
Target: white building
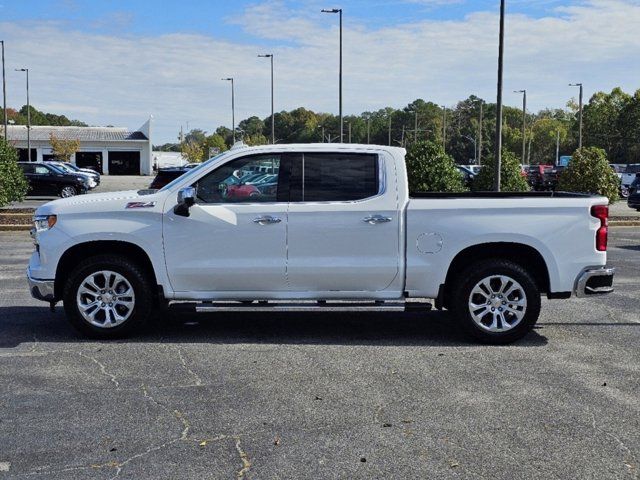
pixel 110 150
pixel 167 159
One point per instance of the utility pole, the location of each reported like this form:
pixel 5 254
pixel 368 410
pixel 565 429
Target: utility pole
pixel 273 134
pixel 233 110
pixel 524 123
pixel 4 94
pixel 579 113
pixel 339 10
pixel 480 136
pixel 444 128
pixel 498 147
pixel 26 70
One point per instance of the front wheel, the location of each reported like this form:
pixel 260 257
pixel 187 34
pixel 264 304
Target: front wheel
pixel 107 296
pixel 496 301
pixel 68 191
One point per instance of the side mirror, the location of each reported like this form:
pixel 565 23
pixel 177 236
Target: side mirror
pixel 186 199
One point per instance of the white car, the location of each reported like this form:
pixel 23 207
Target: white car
pixel 338 231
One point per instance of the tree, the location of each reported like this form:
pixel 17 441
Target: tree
pixel 430 169
pixel 192 151
pixel 63 149
pixel 214 141
pixel 589 172
pixel 511 179
pixel 13 184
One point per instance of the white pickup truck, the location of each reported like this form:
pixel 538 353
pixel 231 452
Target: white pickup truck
pixel 313 227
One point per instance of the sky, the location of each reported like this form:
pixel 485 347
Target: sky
pixel 118 62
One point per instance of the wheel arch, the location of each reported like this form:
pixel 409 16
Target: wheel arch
pixel 524 255
pixel 78 252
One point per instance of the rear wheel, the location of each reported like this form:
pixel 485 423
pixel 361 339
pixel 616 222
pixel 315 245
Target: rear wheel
pixel 68 191
pixel 107 296
pixel 496 301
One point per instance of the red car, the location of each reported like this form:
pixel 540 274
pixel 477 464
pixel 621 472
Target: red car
pixel 236 190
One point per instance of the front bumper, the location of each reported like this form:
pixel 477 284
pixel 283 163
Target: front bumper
pixel 595 281
pixel 40 289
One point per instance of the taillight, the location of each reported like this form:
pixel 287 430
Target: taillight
pixel 601 212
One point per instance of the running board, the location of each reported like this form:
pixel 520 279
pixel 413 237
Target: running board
pixel 320 306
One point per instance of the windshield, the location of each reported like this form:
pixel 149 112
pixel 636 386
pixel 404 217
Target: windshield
pixel 191 173
pixel 57 168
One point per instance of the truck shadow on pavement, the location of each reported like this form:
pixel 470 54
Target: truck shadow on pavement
pixel 29 324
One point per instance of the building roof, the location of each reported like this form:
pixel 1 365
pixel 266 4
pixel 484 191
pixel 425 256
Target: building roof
pixel 84 134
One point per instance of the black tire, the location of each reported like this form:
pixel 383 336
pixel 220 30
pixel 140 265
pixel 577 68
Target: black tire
pixel 143 289
pixel 464 284
pixel 68 188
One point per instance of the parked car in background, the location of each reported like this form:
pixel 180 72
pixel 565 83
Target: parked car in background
pixel 45 179
pixel 629 174
pixel 542 177
pixel 166 175
pixel 93 178
pixel 467 174
pixel 633 200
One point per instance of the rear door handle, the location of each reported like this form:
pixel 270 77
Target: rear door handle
pixel 266 220
pixel 374 219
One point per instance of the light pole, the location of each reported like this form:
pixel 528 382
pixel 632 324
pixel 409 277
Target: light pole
pixel 475 148
pixel 557 147
pixel 26 70
pixel 349 125
pixel 339 10
pixel 524 121
pixel 368 130
pixel 233 110
pixel 498 148
pixel 4 93
pixel 480 135
pixel 389 129
pixel 579 113
pixel 273 134
pixel 415 127
pixel 444 128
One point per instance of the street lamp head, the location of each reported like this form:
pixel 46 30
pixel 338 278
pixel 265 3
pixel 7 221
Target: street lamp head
pixel 519 91
pixel 231 79
pixel 21 69
pixel 575 84
pixel 266 55
pixel 331 10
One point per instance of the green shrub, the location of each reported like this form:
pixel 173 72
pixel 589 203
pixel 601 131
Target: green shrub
pixel 13 184
pixel 511 179
pixel 430 169
pixel 589 172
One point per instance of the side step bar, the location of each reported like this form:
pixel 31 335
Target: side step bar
pixel 320 306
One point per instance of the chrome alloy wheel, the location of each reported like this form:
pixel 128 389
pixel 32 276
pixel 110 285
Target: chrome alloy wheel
pixel 68 192
pixel 497 303
pixel 105 299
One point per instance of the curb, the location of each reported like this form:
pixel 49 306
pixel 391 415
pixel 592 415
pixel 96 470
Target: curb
pixel 15 228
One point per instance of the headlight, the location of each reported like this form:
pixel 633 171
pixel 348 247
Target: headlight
pixel 81 179
pixel 44 222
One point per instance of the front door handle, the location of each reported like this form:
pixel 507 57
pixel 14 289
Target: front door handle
pixel 266 220
pixel 374 219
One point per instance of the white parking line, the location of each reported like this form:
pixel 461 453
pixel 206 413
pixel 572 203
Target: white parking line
pixel 5 466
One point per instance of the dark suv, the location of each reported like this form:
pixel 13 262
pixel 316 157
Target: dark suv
pixel 47 180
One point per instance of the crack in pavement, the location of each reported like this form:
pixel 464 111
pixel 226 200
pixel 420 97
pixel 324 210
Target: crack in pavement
pixel 246 464
pixel 101 365
pixel 194 375
pixel 629 460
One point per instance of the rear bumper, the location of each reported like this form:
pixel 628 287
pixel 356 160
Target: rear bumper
pixel 595 281
pixel 40 289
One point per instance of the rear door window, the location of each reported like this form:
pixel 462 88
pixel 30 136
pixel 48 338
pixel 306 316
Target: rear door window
pixel 335 177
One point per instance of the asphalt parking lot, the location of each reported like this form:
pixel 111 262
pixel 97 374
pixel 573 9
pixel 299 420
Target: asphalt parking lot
pixel 258 396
